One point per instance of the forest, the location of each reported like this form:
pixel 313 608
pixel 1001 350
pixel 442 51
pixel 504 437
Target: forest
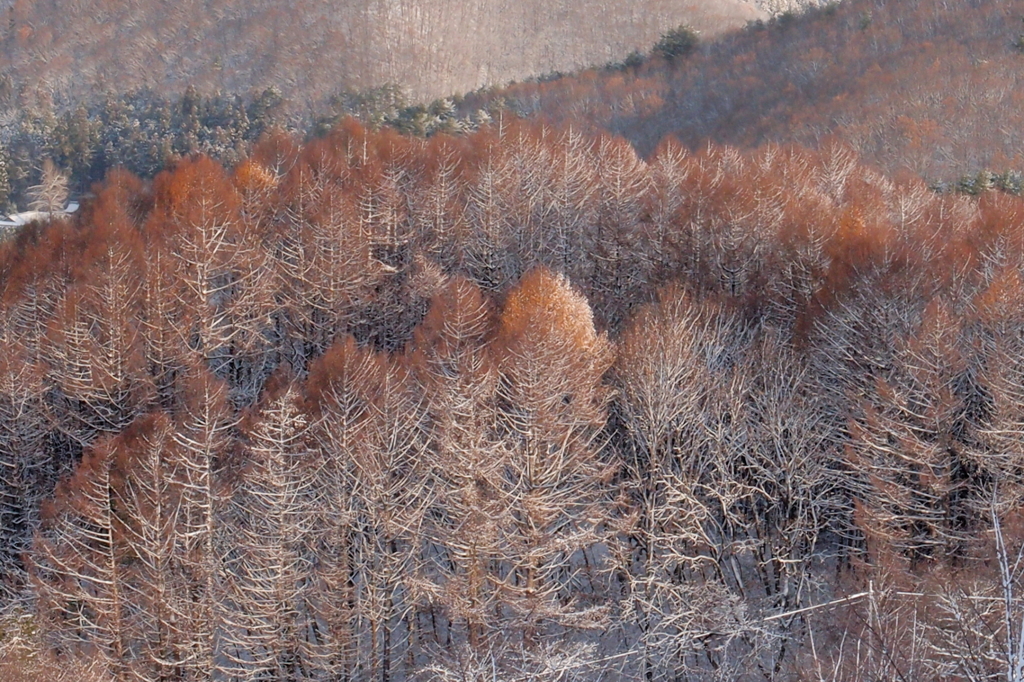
pixel 142 131
pixel 928 89
pixel 514 405
pixel 703 364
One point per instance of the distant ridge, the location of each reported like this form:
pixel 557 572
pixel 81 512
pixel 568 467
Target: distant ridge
pixel 311 49
pixel 931 87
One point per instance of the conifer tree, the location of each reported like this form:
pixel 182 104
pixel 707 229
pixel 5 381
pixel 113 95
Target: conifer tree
pixel 552 408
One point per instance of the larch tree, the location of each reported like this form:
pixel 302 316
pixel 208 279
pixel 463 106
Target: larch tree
pixel 555 482
pixel 487 241
pixel 27 472
pixel 51 194
pixel 198 208
pixel 910 451
pixel 617 240
pixel 274 589
pixel 147 494
pixel 79 566
pixel 96 357
pixel 370 425
pixel 569 207
pixel 436 208
pixel 204 431
pixel 341 417
pixel 453 364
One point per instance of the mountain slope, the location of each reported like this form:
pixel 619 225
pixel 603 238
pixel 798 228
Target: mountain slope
pixel 931 87
pixel 313 48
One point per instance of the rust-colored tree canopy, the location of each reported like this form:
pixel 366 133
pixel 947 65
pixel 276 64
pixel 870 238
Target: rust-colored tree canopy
pixel 519 404
pixel 687 372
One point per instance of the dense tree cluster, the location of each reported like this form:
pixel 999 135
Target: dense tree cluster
pixel 517 405
pixel 929 86
pixel 142 131
pixel 138 131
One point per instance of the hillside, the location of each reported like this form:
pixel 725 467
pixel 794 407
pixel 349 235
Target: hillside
pixel 311 49
pixel 932 87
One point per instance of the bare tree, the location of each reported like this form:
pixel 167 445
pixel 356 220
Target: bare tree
pixel 273 593
pixel 26 471
pixel 51 194
pixel 78 567
pixel 556 485
pixel 673 362
pixel 203 434
pixel 147 496
pixel 370 426
pixel 454 366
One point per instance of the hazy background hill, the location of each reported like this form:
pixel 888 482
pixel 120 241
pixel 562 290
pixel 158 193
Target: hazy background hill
pixel 312 48
pixel 928 86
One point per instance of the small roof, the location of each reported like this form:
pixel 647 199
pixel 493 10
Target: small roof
pixel 26 217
